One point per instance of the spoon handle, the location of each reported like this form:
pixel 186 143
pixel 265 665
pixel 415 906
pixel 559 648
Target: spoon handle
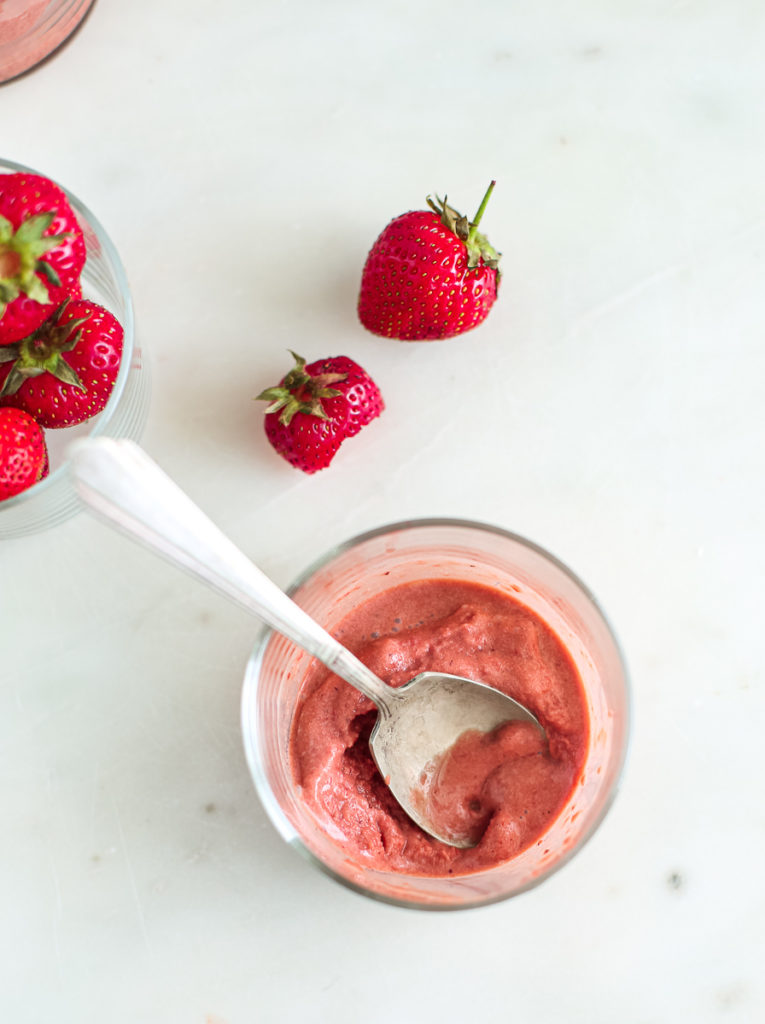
pixel 119 482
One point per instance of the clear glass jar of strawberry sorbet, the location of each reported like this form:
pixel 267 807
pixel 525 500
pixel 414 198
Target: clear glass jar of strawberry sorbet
pixel 30 30
pixel 53 500
pixel 430 549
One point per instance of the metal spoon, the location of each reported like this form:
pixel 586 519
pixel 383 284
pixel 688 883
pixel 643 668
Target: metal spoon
pixel 417 722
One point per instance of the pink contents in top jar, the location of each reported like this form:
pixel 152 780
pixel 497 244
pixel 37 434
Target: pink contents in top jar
pixel 504 789
pixel 31 29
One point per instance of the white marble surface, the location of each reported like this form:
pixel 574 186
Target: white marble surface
pixel 243 156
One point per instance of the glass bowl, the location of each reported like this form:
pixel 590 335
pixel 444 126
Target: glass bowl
pixel 103 281
pixel 30 30
pixel 439 549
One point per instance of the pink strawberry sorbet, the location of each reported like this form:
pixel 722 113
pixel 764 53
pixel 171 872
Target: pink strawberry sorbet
pixel 503 789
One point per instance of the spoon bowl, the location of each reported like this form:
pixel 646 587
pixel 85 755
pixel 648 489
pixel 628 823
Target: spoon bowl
pixel 425 719
pixel 417 722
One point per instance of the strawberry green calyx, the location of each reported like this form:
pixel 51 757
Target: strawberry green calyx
pixel 300 392
pixel 479 249
pixel 20 259
pixel 43 352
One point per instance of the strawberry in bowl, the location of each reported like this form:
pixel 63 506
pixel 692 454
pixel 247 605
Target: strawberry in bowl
pixel 64 372
pixel 23 452
pixel 429 275
pixel 42 253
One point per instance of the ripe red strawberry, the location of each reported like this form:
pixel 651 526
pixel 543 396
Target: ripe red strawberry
pixel 429 275
pixel 64 372
pixel 42 253
pixel 23 454
pixel 316 407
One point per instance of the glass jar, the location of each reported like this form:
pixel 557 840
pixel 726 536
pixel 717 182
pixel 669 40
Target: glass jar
pixel 439 549
pixel 53 500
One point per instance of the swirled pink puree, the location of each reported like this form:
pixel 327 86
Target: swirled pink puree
pixel 18 16
pixel 505 788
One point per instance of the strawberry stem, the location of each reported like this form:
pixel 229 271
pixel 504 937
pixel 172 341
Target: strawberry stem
pixel 299 391
pixel 477 219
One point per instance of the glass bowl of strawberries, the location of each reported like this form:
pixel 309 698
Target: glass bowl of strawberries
pixel 70 364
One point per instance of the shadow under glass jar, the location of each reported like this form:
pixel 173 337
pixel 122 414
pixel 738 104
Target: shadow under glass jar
pixel 53 500
pixel 406 552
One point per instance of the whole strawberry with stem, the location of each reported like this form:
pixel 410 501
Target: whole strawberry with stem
pixel 64 372
pixel 23 453
pixel 42 253
pixel 315 408
pixel 429 275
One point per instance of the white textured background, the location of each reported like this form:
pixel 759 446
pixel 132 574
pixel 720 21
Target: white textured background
pixel 243 156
